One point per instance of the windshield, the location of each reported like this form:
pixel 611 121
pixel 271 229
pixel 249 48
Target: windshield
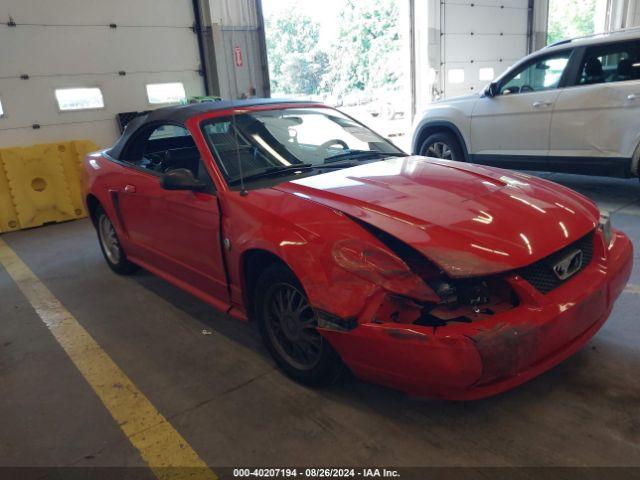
pixel 290 142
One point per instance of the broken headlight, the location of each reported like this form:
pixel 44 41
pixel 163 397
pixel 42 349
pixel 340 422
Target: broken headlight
pixel 381 267
pixel 418 291
pixel 461 300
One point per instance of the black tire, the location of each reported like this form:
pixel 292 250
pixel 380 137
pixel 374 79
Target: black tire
pixel 432 147
pixel 287 339
pixel 109 242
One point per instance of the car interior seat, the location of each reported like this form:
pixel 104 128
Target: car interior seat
pixel 624 71
pixel 232 153
pixel 593 72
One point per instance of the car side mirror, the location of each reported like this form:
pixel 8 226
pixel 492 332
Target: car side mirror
pixel 492 90
pixel 181 179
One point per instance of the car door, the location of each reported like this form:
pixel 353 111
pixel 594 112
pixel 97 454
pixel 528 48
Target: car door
pixel 513 125
pixel 596 121
pixel 173 232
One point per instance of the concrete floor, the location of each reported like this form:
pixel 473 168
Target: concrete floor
pixel 224 395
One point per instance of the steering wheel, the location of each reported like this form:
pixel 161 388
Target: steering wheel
pixel 334 141
pixel 293 135
pixel 526 88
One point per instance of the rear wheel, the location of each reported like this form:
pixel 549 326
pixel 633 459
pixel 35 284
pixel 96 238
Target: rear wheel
pixel 110 245
pixel 288 327
pixel 442 145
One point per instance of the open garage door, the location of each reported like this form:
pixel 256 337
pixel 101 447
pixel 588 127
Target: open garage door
pixel 479 40
pixel 351 55
pixel 109 52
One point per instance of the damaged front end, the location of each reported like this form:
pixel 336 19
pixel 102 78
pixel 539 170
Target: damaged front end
pixel 414 291
pixel 429 334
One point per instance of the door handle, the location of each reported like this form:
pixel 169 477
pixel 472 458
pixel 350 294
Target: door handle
pixel 632 97
pixel 129 189
pixel 541 104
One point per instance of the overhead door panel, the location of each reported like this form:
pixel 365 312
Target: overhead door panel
pixel 120 93
pixel 96 12
pixel 61 51
pixel 119 46
pixel 480 39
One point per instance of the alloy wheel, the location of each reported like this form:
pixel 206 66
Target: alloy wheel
pixel 109 239
pixel 440 150
pixel 291 326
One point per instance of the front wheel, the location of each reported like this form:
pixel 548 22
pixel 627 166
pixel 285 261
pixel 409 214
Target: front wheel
pixel 442 145
pixel 110 245
pixel 288 327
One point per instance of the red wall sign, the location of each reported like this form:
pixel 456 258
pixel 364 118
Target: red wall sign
pixel 237 55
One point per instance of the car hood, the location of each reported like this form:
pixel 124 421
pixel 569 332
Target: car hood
pixel 467 219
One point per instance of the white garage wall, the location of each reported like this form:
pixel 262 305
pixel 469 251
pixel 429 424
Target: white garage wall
pixel 69 43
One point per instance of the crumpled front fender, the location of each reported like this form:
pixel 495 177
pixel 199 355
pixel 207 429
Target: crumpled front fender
pixel 303 238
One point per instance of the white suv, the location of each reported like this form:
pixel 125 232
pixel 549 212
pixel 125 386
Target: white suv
pixel 573 106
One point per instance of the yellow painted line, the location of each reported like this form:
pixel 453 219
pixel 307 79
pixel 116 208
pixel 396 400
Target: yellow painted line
pixel 160 445
pixel 631 288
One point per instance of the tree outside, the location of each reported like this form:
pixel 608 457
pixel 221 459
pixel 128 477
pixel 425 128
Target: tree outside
pixel 361 53
pixel 353 54
pixel 571 18
pixel 296 64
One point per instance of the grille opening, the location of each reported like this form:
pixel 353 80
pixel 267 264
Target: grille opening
pixel 541 275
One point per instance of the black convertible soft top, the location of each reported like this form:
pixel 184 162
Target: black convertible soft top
pixel 179 114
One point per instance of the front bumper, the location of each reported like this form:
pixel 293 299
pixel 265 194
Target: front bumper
pixel 483 358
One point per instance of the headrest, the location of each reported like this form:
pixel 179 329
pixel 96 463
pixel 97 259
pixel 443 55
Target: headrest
pixel 625 68
pixel 593 68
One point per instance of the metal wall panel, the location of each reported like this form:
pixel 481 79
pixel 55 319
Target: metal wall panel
pixel 73 50
pixel 234 12
pixel 236 26
pixel 28 102
pixel 623 14
pixel 539 25
pixel 99 12
pixel 69 43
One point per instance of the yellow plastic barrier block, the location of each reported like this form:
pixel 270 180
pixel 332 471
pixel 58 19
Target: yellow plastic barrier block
pixel 71 154
pixel 8 214
pixel 41 184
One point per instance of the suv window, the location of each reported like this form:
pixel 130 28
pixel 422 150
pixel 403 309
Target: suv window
pixel 538 75
pixel 164 148
pixel 616 62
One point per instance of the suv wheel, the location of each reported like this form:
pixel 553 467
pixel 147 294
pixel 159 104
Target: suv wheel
pixel 442 145
pixel 288 327
pixel 110 245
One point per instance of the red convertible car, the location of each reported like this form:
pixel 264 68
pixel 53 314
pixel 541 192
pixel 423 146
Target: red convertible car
pixel 433 277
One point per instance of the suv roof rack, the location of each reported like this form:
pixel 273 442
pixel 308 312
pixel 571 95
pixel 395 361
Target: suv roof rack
pixel 594 35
